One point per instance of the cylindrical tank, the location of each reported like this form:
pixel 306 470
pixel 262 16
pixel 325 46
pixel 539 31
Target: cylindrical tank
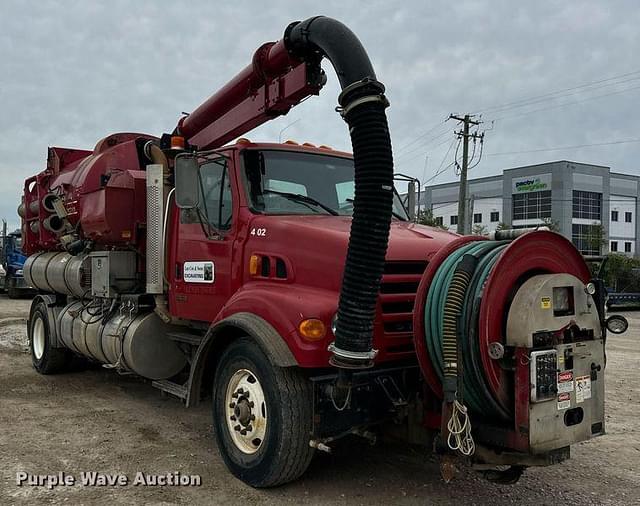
pixel 35 271
pixel 59 272
pixel 65 324
pixel 133 342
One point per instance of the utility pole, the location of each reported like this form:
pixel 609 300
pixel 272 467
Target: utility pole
pixel 464 223
pixel 4 240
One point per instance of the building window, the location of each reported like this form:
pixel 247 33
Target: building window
pixel 587 238
pixel 454 220
pixel 614 246
pixel 614 215
pixel 627 247
pixel 627 217
pixel 495 216
pixel 587 205
pixel 533 205
pixel 439 220
pixel 477 218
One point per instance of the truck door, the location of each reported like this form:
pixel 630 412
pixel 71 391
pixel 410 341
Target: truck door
pixel 202 272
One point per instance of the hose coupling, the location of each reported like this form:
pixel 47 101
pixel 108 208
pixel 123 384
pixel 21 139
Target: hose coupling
pixel 361 92
pixel 351 359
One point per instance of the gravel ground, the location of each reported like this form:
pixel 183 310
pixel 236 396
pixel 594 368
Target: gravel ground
pixel 97 420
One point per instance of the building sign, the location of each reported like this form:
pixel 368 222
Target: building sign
pixel 532 183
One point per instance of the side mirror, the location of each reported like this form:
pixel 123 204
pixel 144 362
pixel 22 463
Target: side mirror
pixel 187 180
pixel 617 324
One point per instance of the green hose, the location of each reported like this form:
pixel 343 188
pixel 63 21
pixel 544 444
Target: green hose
pixel 475 387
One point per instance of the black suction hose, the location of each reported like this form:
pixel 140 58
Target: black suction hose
pixel 362 105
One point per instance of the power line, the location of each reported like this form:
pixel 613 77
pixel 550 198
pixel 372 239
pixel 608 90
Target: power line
pixel 440 169
pixel 432 148
pixel 425 134
pixel 424 145
pixel 564 90
pixel 557 106
pixel 562 148
pixel 532 100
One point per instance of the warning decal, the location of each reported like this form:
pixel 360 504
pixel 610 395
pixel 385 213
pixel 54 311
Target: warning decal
pixel 545 302
pixel 583 388
pixel 565 382
pixel 564 401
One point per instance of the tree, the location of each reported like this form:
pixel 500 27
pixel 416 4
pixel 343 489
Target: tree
pixel 502 226
pixel 479 229
pixel 595 237
pixel 620 272
pixel 425 217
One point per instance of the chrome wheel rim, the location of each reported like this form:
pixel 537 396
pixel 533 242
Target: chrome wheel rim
pixel 37 338
pixel 246 411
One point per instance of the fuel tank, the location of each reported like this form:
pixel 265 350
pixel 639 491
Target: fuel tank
pixel 135 342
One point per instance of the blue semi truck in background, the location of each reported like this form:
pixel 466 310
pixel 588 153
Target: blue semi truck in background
pixel 12 261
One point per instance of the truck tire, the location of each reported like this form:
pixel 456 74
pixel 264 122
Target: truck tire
pixel 262 416
pixel 45 358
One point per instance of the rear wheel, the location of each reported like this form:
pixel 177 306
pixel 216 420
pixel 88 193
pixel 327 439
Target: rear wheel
pixel 46 359
pixel 262 415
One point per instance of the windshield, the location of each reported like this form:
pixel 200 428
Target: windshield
pixel 284 182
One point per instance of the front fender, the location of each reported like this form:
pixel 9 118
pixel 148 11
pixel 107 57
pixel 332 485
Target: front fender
pixel 221 334
pixel 284 306
pixel 270 315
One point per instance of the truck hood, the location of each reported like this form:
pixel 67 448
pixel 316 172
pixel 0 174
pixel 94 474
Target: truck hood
pixel 316 246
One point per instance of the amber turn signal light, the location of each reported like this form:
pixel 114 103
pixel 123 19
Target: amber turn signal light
pixel 312 329
pixel 254 263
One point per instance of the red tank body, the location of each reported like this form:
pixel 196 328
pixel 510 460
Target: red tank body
pixel 103 192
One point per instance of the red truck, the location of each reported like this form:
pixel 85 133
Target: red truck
pixel 287 283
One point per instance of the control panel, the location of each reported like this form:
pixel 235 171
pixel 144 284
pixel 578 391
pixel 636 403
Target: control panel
pixel 544 374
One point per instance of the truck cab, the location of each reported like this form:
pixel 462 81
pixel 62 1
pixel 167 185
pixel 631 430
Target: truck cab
pixel 269 235
pixel 13 262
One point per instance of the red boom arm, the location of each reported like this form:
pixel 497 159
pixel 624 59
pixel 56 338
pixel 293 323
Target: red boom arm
pixel 273 83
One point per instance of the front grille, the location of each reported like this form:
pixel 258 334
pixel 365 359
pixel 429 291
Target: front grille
pixel 397 296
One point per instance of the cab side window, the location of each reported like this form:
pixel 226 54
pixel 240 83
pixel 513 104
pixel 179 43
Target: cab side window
pixel 215 194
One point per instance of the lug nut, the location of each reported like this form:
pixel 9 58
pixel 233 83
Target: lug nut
pixel 234 395
pixel 237 427
pixel 232 418
pixel 252 417
pixel 249 428
pixel 232 405
pixel 243 432
pixel 251 404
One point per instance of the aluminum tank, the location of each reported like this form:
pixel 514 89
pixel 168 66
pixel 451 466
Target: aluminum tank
pixel 127 341
pixel 59 272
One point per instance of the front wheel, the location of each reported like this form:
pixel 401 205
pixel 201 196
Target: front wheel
pixel 262 415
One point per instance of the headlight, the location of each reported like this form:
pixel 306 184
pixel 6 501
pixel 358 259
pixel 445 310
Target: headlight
pixel 590 288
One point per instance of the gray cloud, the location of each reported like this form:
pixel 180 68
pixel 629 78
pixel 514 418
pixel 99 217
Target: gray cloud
pixel 73 72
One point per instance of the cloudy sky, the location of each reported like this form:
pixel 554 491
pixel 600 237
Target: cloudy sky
pixel 544 75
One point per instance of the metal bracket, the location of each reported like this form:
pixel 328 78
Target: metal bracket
pixel 391 390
